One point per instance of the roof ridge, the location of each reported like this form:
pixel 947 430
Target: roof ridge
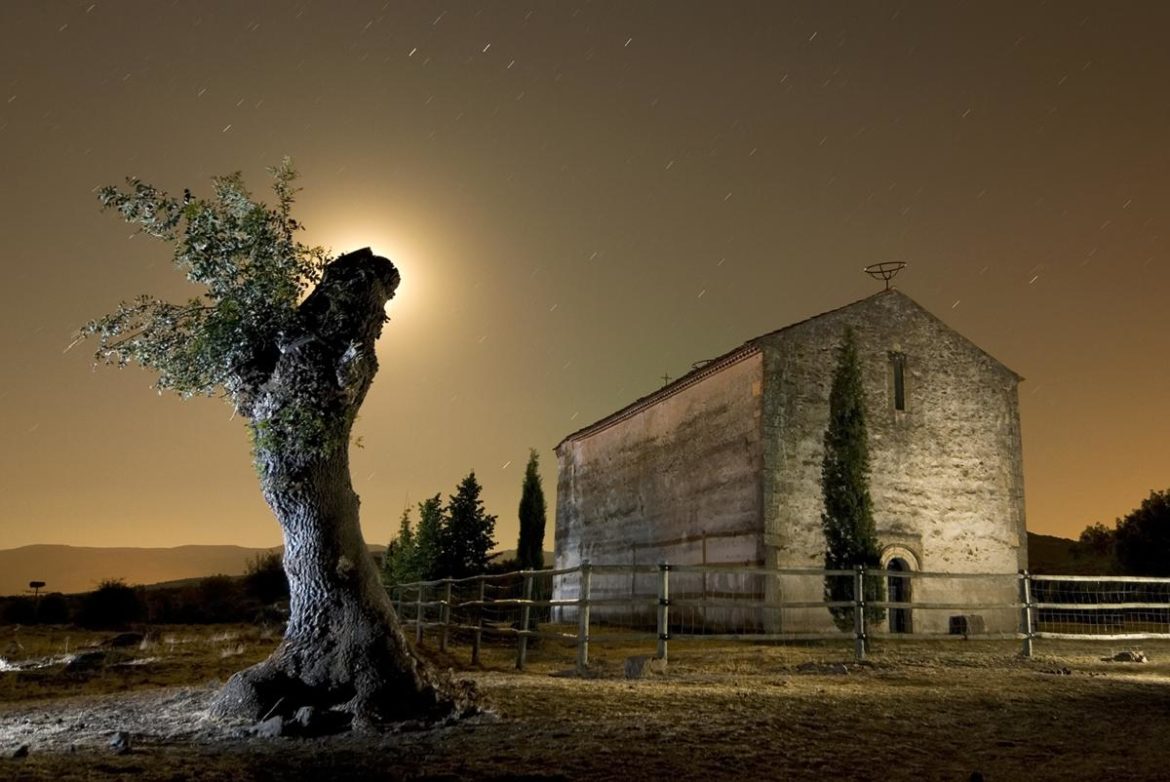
pixel 801 322
pixel 750 347
pixel 717 364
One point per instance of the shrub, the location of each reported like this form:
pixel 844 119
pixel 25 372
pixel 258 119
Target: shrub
pixel 265 580
pixel 53 609
pixel 113 605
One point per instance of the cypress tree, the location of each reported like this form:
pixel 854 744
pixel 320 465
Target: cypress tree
pixel 530 548
pixel 847 519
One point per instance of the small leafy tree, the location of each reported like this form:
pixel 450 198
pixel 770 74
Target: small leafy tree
pixel 1143 537
pixel 53 610
pixel 530 548
pixel 400 564
pixel 218 599
pixel 428 543
pixel 19 610
pixel 113 605
pixel 1099 539
pixel 467 534
pixel 847 519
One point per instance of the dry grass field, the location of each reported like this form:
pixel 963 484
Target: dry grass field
pixel 913 711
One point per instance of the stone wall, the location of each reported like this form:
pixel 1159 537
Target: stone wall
pixel 946 473
pixel 677 481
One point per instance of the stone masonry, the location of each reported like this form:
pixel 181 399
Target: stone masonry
pixel 723 466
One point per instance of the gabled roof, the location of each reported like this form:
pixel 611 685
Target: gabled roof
pixel 668 390
pixel 746 350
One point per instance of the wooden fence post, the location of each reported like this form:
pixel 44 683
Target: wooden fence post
pixel 445 613
pixel 859 612
pixel 479 622
pixel 583 618
pixel 663 609
pixel 1026 596
pixel 525 615
pixel 418 616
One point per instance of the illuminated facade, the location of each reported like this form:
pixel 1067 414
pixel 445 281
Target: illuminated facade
pixel 723 465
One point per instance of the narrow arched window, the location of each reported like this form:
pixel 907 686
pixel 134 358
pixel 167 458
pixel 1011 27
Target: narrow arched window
pixel 898 367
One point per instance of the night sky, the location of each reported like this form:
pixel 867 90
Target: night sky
pixel 583 197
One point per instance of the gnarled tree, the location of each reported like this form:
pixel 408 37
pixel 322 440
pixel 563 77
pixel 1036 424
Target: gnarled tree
pixel 287 335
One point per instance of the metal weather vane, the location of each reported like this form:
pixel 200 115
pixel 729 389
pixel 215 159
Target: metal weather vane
pixel 885 271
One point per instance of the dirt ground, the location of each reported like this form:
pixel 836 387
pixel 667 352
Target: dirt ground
pixel 913 711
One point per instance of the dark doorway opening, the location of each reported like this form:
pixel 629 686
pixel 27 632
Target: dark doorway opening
pixel 899 591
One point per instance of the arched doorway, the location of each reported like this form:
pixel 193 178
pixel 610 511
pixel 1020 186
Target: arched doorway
pixel 899 590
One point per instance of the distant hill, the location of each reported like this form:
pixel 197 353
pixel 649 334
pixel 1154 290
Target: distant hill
pixel 506 554
pixel 1050 555
pixel 80 569
pixel 71 569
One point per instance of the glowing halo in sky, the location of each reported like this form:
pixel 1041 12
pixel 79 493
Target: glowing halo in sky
pixel 347 237
pixel 413 313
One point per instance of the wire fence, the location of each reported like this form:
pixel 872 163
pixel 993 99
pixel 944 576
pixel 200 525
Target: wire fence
pixel 589 606
pixel 1106 608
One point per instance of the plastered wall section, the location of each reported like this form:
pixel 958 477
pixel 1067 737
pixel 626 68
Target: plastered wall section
pixel 677 481
pixel 946 473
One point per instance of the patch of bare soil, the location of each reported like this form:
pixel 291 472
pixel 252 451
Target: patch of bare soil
pixel 730 711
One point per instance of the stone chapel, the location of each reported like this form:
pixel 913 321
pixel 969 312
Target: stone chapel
pixel 723 465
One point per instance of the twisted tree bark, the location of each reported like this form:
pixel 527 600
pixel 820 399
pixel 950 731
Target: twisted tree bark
pixel 343 649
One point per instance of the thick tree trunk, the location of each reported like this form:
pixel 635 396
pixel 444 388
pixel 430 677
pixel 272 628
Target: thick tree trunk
pixel 343 649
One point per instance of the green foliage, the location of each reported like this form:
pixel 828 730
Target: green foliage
pixel 113 605
pixel 1139 543
pixel 19 611
pixel 1143 537
pixel 451 541
pixel 1099 539
pixel 400 565
pixel 219 599
pixel 251 277
pixel 53 609
pixel 498 566
pixel 530 548
pixel 249 268
pixel 847 519
pixel 265 580
pixel 467 535
pixel 429 539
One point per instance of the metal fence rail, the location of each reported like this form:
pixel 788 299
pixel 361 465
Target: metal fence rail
pixel 660 603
